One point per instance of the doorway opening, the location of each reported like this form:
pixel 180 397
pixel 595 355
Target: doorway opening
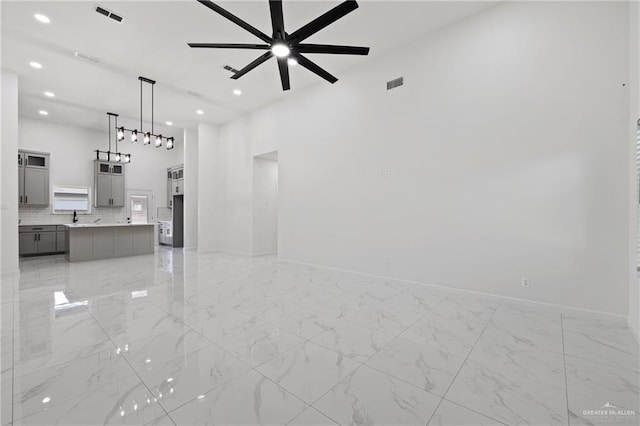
pixel 140 206
pixel 265 204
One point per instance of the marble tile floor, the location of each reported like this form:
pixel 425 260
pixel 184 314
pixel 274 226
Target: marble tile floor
pixel 194 339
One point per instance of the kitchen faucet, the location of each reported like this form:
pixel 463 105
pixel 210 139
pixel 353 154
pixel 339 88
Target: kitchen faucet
pixel 75 217
pixel 97 220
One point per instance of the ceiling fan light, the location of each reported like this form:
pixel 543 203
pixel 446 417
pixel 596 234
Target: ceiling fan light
pixel 158 141
pixel 134 136
pixel 280 50
pixel 292 62
pixel 147 138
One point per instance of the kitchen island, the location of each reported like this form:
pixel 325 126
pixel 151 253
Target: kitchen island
pixel 104 241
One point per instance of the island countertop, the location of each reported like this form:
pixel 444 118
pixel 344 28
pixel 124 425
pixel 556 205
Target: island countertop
pixel 104 225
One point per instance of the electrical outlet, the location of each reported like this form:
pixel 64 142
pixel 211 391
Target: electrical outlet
pixel 525 282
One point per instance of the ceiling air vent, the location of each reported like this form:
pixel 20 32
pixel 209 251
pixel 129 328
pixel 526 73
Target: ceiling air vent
pixel 109 14
pixel 196 94
pixel 85 57
pixel 395 83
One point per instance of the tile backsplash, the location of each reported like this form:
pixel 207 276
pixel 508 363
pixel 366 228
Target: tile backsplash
pixel 30 215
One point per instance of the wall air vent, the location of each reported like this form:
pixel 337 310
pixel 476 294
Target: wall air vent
pixel 230 68
pixel 395 83
pixel 108 13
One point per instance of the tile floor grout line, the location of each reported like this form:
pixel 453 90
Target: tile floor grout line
pixel 465 362
pixel 471 409
pixel 131 366
pixel 564 362
pixel 363 363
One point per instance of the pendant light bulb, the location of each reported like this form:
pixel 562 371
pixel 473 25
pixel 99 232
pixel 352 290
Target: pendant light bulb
pixel 147 138
pixel 170 143
pixel 118 157
pixel 158 141
pixel 120 133
pixel 134 136
pixel 127 158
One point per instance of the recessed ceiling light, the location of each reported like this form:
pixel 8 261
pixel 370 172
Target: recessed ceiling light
pixel 280 50
pixel 50 94
pixel 43 112
pixel 34 64
pixel 42 18
pixel 199 112
pixel 169 123
pixel 292 62
pixel 237 92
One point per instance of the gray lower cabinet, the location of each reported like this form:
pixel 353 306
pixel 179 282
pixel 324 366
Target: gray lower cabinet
pixel 45 239
pixel 38 240
pixel 61 241
pixel 47 242
pixel 28 243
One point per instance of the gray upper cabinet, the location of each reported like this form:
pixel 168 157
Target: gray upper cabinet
pixel 175 183
pixel 117 190
pixel 169 188
pixel 109 184
pixel 33 178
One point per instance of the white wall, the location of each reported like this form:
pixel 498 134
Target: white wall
pixel 634 116
pixel 190 189
pixel 9 173
pixel 265 206
pixel 72 163
pixel 504 155
pixel 208 216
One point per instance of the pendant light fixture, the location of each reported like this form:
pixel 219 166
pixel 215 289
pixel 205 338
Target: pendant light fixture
pixel 115 155
pixel 120 131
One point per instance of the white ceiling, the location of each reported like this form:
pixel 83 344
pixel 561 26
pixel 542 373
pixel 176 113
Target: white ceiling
pixel 152 42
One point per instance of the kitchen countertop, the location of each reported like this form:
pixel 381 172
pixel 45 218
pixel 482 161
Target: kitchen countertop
pixel 104 225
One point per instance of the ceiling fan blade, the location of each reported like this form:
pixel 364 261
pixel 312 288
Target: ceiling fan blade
pixel 233 18
pixel 336 50
pixel 230 46
pixel 252 65
pixel 277 19
pixel 311 66
pixel 284 73
pixel 323 21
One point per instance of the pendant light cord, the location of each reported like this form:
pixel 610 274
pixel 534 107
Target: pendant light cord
pixel 141 130
pixel 109 133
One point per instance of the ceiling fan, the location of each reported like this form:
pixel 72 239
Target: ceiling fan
pixel 284 46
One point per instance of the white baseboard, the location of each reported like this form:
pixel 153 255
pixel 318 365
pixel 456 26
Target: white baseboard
pixel 189 248
pixel 461 290
pixel 265 253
